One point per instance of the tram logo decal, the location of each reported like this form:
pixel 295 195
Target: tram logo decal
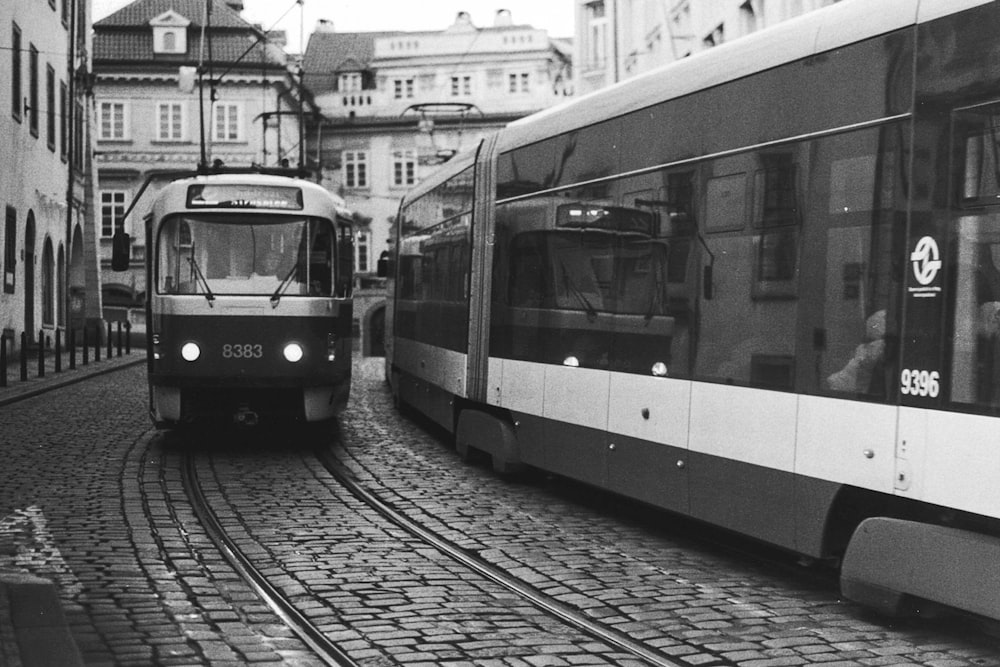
pixel 926 262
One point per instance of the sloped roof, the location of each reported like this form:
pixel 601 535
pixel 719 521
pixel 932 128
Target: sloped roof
pixel 329 51
pixel 140 12
pixel 126 37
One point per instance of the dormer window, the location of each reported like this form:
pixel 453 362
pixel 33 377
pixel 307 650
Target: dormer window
pixel 170 33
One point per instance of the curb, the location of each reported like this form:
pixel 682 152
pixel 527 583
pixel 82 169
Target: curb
pixel 41 635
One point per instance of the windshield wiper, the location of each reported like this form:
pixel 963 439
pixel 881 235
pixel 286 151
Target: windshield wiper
pixel 285 282
pixel 201 280
pixel 580 296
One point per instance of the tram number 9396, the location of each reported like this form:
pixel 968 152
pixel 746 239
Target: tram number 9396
pixel 242 351
pixel 921 383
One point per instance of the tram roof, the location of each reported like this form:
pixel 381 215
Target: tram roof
pixel 816 32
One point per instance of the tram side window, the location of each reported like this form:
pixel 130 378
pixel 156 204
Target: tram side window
pixel 852 229
pixel 748 321
pixel 975 372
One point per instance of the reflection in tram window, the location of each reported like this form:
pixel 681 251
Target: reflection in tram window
pixel 976 342
pixel 583 281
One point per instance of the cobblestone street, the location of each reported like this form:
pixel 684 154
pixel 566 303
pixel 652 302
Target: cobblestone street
pixel 92 501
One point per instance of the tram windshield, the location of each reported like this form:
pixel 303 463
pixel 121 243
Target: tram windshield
pixel 214 255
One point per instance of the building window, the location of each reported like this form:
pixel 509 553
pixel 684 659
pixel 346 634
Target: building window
pixel 355 169
pixel 170 121
pixel 403 88
pixel 113 121
pixel 597 35
pixel 228 122
pixel 33 89
pixel 404 167
pixel 10 250
pixel 50 100
pixel 78 134
pixel 461 86
pixel 716 37
pixel 16 96
pixel 519 83
pixel 63 119
pixel 362 251
pixel 112 211
pixel 349 82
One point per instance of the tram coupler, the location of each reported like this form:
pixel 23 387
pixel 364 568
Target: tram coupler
pixel 246 417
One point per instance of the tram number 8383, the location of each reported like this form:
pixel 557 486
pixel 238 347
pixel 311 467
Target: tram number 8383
pixel 242 351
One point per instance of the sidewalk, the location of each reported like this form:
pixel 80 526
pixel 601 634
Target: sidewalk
pixel 16 388
pixel 33 628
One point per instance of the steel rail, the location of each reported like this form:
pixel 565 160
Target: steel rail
pixel 553 607
pixel 326 649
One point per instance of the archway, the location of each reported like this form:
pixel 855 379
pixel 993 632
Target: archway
pixel 77 280
pixel 29 276
pixel 374 345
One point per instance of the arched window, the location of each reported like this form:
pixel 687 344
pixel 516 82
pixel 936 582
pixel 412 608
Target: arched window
pixel 170 42
pixel 48 284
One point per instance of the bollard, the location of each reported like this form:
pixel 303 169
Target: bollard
pixel 86 346
pixel 3 361
pixel 72 349
pixel 97 341
pixel 119 327
pixel 24 356
pixel 58 350
pixel 41 353
pixel 110 340
pixel 128 337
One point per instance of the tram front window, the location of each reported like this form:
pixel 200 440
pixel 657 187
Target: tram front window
pixel 213 256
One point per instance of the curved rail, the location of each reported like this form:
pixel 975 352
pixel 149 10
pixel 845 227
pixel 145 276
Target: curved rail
pixel 326 649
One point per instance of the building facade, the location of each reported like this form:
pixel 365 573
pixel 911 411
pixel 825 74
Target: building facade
pixel 166 102
pixel 618 39
pixel 49 262
pixel 396 104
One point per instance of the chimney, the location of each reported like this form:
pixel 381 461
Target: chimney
pixel 502 19
pixel 325 25
pixel 235 5
pixel 463 20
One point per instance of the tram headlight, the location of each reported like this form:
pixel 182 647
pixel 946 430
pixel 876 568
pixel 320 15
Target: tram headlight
pixel 293 352
pixel 572 362
pixel 190 351
pixel 659 370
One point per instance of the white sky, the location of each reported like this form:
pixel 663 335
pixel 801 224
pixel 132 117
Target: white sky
pixel 555 16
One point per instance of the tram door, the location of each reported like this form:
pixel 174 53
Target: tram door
pixel 648 285
pixel 957 274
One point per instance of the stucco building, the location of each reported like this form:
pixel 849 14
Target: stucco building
pixel 48 264
pixel 166 102
pixel 618 39
pixel 396 104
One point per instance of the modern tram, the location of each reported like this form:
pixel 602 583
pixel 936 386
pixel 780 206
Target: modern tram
pixel 249 307
pixel 759 286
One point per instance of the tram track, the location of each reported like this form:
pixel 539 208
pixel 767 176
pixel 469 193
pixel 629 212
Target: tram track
pixel 325 648
pixel 565 615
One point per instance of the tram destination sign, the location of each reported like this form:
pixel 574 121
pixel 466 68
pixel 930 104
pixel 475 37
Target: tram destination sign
pixel 239 195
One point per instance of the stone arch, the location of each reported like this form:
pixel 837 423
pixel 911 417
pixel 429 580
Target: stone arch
pixel 29 275
pixel 48 283
pixel 77 279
